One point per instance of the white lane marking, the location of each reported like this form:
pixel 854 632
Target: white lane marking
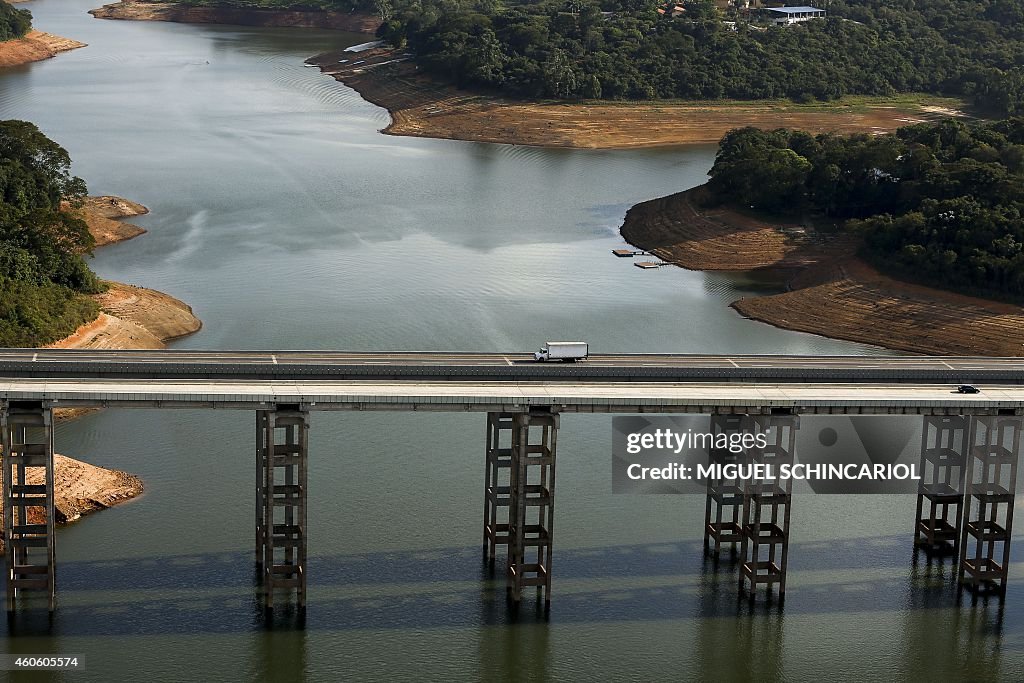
pixel 947 365
pixel 507 360
pixel 273 357
pixel 733 362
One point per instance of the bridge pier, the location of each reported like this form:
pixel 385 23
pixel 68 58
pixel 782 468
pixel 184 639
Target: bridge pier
pixel 990 483
pixel 27 433
pixel 531 504
pixel 282 449
pixel 937 526
pixel 497 482
pixel 767 506
pixel 723 510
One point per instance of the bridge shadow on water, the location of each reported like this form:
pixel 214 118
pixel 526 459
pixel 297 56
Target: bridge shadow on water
pixel 451 588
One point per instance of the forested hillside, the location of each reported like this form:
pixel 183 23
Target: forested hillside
pixel 570 49
pixel 14 23
pixel 940 202
pixel 43 277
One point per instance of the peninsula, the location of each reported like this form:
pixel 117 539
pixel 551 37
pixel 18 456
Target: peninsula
pixel 130 318
pixel 423 105
pixel 33 47
pixel 356 22
pixel 935 206
pixel 20 44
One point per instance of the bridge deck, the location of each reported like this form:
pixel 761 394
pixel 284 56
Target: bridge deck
pixel 329 380
pixel 677 397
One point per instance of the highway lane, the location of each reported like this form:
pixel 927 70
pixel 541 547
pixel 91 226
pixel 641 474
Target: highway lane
pixel 184 363
pixel 487 359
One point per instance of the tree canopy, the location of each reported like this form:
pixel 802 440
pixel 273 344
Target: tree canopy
pixel 624 49
pixel 43 275
pixel 14 22
pixel 940 202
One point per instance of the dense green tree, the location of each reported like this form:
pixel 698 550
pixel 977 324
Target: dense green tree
pixel 971 48
pixel 14 22
pixel 942 202
pixel 42 272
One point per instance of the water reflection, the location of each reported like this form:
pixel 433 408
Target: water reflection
pixel 962 636
pixel 215 592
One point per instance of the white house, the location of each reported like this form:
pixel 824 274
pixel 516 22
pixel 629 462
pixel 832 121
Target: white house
pixel 791 15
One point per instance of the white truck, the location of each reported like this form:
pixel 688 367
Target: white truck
pixel 562 350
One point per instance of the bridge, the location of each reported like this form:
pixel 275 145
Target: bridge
pixel 969 451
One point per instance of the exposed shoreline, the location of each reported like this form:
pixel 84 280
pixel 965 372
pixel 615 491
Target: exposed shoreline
pixel 81 489
pixel 103 213
pixel 422 107
pixel 831 292
pixel 190 14
pixel 130 318
pixel 34 47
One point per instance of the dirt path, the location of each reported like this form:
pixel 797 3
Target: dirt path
pixel 34 47
pixel 832 293
pixel 420 107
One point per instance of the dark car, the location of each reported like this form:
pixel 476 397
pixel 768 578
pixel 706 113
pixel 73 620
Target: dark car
pixel 967 389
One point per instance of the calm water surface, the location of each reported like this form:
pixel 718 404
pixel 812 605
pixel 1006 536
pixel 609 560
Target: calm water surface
pixel 287 221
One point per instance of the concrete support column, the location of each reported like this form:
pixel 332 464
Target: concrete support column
pixel 767 506
pixel 941 490
pixel 989 486
pixel 723 510
pixel 282 449
pixel 27 432
pixel 532 504
pixel 262 463
pixel 497 482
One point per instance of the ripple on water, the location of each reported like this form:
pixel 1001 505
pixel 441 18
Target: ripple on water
pixel 13 100
pixel 537 157
pixel 297 77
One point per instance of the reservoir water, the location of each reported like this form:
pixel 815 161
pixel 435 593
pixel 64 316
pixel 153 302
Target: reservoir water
pixel 282 215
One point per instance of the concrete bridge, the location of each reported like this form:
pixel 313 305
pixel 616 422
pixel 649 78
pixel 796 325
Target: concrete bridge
pixel 969 452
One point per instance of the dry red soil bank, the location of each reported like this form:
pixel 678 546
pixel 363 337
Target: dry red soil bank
pixel 34 47
pixel 831 292
pixel 423 108
pixel 169 11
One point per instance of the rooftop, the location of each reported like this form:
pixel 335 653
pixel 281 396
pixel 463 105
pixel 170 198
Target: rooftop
pixel 794 10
